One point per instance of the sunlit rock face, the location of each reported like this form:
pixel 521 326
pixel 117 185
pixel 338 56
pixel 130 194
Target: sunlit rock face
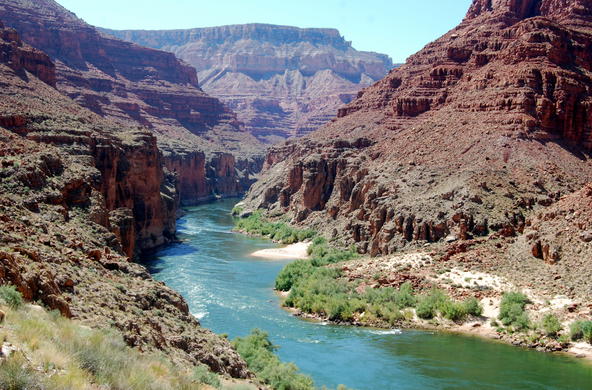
pixel 282 81
pixel 475 133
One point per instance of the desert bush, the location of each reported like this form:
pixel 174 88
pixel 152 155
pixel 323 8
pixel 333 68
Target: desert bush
pixel 258 352
pixel 581 330
pixel 473 307
pixel 11 296
pixel 257 224
pixel 428 305
pixel 81 356
pixel 15 374
pixel 551 325
pixel 575 330
pixel 202 374
pixel 291 273
pixel 454 311
pixel 512 311
pixel 321 253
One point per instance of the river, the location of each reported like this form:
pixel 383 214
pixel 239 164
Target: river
pixel 231 292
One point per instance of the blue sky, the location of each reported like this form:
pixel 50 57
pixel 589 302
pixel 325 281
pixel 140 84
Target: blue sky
pixel 398 28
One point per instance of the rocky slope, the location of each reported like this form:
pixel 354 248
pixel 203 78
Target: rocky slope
pixel 137 86
pixel 282 81
pixel 78 194
pixel 471 137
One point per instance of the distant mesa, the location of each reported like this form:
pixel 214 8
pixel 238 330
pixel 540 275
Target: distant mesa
pixel 281 81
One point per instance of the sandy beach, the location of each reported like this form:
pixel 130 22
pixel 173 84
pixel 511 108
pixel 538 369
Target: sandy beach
pixel 294 251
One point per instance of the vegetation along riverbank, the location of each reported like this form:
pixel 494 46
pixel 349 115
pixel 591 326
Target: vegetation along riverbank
pixel 413 290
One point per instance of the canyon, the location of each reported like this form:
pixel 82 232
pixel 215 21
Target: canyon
pixel 84 192
pixel 473 157
pixel 140 87
pixel 458 150
pixel 281 81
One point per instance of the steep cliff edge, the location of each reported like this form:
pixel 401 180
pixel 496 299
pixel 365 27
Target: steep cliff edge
pixel 79 194
pixel 282 81
pixel 477 131
pixel 133 86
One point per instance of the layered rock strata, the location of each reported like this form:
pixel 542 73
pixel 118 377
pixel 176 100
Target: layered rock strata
pixel 281 81
pixel 475 132
pixel 133 85
pixel 79 194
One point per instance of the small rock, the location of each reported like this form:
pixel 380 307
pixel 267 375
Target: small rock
pixel 451 238
pixel 95 254
pixel 586 236
pixel 8 349
pixel 2 315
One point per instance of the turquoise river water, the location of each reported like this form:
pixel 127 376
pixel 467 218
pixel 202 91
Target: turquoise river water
pixel 231 292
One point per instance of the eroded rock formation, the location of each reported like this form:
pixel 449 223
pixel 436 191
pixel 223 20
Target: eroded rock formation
pixel 476 131
pixel 79 194
pixel 132 85
pixel 282 81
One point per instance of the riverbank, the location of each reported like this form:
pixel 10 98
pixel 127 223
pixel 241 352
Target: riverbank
pixel 369 273
pixel 293 251
pixel 232 293
pixel 333 286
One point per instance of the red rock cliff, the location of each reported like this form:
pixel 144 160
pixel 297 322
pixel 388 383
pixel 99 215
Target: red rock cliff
pixel 472 134
pixel 130 84
pixel 132 181
pixel 78 194
pixel 21 57
pixel 282 81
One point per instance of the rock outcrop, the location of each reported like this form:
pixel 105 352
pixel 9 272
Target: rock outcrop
pixel 79 195
pixel 203 178
pixel 475 132
pixel 21 57
pixel 132 85
pixel 282 81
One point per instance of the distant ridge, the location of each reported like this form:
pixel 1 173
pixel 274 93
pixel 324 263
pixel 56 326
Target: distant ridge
pixel 282 81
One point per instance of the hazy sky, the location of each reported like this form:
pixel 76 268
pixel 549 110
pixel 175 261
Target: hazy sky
pixel 398 28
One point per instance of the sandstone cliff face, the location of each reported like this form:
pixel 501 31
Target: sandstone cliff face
pixel 21 57
pixel 129 163
pixel 79 194
pixel 473 133
pixel 282 81
pixel 132 85
pixel 204 178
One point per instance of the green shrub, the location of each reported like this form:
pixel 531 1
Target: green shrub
pixel 237 210
pixel 257 224
pixel 425 309
pixel 454 311
pixel 576 331
pixel 258 352
pixel 202 374
pixel 473 307
pixel 551 325
pixel 291 273
pixel 321 292
pixel 428 305
pixel 585 329
pixel 16 375
pixel 321 253
pixel 404 298
pixel 11 296
pixel 512 311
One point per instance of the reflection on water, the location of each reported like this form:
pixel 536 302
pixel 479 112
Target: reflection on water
pixel 231 292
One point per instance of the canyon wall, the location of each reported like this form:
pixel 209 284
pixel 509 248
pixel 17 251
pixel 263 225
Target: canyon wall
pixel 477 131
pixel 281 81
pixel 204 178
pixel 79 195
pixel 134 86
